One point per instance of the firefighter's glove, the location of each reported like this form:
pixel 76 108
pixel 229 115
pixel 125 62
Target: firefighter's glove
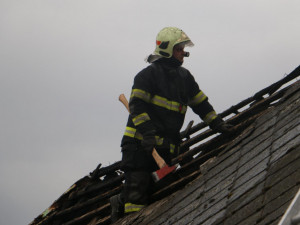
pixel 148 142
pixel 225 128
pixel 220 126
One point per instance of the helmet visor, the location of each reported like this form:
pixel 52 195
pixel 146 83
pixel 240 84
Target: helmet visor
pixel 184 44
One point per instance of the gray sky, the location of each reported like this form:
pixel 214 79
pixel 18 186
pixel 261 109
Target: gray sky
pixel 63 64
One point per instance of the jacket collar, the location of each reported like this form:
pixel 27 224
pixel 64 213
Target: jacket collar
pixel 170 62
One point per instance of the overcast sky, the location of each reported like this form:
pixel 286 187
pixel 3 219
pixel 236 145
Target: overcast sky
pixel 63 64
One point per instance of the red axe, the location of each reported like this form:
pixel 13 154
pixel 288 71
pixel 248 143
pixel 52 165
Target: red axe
pixel 164 168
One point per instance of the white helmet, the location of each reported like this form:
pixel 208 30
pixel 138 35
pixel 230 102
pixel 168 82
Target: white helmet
pixel 166 39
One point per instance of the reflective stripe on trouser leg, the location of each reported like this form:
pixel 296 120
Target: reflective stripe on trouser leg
pixel 136 190
pixel 129 207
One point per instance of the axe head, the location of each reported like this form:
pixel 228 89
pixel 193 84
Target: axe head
pixel 161 173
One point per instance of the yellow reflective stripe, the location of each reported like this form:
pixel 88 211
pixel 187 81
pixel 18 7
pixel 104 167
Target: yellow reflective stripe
pixel 159 140
pixel 210 117
pixel 139 119
pixel 172 148
pixel 129 207
pixel 159 101
pixel 197 99
pixel 170 105
pixel 130 132
pixel 138 136
pixel 138 93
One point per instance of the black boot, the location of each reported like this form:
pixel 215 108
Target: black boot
pixel 117 208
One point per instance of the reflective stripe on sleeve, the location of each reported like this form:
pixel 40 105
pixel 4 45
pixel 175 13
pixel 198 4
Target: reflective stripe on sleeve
pixel 133 133
pixel 139 119
pixel 210 117
pixel 130 207
pixel 130 132
pixel 197 99
pixel 138 93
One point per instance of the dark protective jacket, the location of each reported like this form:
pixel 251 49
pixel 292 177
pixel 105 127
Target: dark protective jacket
pixel 159 99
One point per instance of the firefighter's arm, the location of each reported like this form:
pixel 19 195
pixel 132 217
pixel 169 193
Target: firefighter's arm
pixel 139 104
pixel 201 106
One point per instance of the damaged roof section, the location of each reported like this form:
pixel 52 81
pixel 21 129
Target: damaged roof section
pixel 247 177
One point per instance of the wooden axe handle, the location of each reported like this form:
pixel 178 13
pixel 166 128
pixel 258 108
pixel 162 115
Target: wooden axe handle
pixel 123 99
pixel 158 159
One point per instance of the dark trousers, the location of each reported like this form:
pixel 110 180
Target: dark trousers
pixel 138 166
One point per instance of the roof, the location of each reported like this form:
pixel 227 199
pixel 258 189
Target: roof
pixel 292 215
pixel 247 177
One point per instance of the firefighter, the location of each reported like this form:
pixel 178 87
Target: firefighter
pixel 160 95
